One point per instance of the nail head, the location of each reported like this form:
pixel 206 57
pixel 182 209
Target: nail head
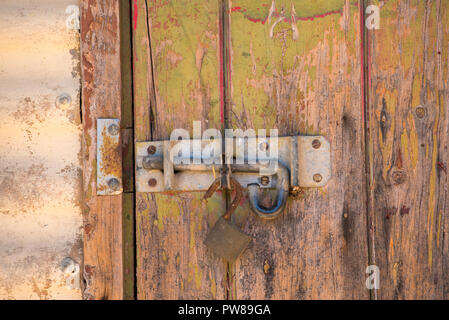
pixel 317 177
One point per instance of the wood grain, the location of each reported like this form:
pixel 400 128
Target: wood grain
pixel 408 154
pixel 295 66
pixel 176 70
pixel 102 215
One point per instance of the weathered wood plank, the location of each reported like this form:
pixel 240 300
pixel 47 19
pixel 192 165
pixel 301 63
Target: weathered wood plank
pixel 101 97
pixel 179 39
pixel 408 138
pixel 296 67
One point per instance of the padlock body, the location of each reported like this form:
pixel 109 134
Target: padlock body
pixel 226 240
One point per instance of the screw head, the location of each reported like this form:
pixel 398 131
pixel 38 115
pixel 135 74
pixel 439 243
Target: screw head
pixel 114 184
pixel 317 177
pixel 151 150
pixel 113 129
pixel 68 265
pixel 63 100
pixel 265 180
pixel 152 182
pixel 420 112
pixel 316 144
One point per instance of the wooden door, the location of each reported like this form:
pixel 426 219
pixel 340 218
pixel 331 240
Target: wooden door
pixel 304 67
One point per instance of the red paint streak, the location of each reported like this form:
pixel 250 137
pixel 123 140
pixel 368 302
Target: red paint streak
pixel 221 76
pixel 135 15
pixel 276 15
pixel 323 15
pixel 256 20
pixel 229 64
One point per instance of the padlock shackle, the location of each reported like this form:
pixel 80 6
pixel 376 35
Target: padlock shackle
pixel 281 198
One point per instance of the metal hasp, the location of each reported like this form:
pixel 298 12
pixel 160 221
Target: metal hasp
pixel 300 161
pixel 109 160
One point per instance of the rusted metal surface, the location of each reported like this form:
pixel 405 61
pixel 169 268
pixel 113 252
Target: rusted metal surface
pixel 40 172
pixel 109 157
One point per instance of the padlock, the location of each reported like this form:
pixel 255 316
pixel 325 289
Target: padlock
pixel 225 239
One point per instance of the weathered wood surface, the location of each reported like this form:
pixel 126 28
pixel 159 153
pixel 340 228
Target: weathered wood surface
pixel 182 56
pixel 101 97
pixel 296 67
pixel 408 154
pixel 303 67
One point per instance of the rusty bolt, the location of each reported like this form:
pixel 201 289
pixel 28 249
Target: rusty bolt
pixel 113 129
pixel 265 180
pixel 264 146
pixel 114 184
pixel 317 177
pixel 151 150
pixel 399 176
pixel 152 182
pixel 420 112
pixel 316 144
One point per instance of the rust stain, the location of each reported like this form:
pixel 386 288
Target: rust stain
pixel 111 153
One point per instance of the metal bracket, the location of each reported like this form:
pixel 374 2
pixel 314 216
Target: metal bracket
pixel 306 158
pixel 109 160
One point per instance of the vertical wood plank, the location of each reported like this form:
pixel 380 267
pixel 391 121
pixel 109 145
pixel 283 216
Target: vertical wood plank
pixel 101 97
pixel 296 67
pixel 176 70
pixel 408 136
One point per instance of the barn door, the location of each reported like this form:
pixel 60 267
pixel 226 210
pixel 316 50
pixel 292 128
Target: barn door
pixel 289 65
